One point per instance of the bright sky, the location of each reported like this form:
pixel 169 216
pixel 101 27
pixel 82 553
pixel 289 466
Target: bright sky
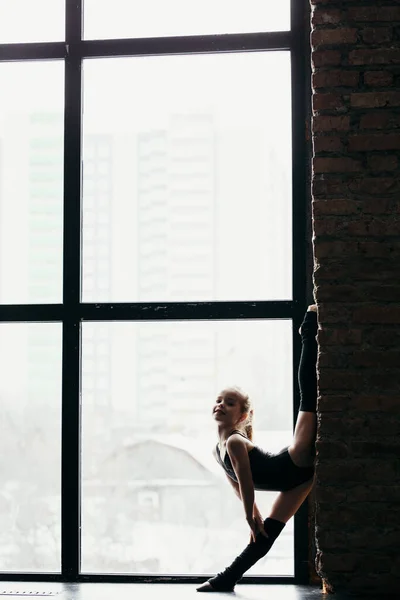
pixel 44 20
pixel 228 86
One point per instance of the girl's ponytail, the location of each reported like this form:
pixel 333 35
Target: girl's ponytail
pixel 248 428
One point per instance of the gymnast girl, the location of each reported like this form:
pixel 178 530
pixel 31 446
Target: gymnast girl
pixel 248 467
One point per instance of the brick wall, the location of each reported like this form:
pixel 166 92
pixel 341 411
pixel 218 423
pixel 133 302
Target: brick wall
pixel 356 223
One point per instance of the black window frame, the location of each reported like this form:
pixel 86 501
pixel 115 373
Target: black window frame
pixel 72 312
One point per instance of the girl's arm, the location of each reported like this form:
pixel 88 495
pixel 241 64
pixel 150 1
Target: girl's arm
pixel 233 483
pixel 235 486
pixel 239 456
pixel 257 517
pixel 256 511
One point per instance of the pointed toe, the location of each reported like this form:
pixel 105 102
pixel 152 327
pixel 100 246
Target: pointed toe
pixel 205 587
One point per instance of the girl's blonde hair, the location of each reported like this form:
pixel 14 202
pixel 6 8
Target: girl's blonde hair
pixel 247 407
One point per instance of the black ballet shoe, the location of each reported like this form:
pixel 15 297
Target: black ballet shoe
pixel 207 586
pixel 309 326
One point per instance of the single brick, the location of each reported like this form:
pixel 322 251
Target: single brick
pixel 376 35
pixel 374 227
pixel 344 293
pixel 325 58
pixel 335 313
pixel 375 249
pixel 341 472
pixel 373 13
pixel 383 336
pixel 336 165
pixel 378 78
pixel 328 562
pixel 374 186
pixel 366 143
pixel 377 56
pixel 374 403
pixel 337 562
pixel 335 358
pixel 375 358
pixel 361 268
pixel 357 538
pixel 324 494
pixel 333 37
pixel 380 292
pixel 354 186
pixel 335 78
pixel 375 120
pixel 377 314
pixel 383 291
pixel 331 123
pixel 329 336
pixel 335 248
pixel 327 143
pixel 376 206
pixel 327 102
pixel 325 188
pixel 388 384
pixel 327 16
pixel 331 449
pixel 332 403
pixel 375 99
pixel 342 206
pixel 386 162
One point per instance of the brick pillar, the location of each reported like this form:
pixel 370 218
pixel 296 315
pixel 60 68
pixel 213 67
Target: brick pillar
pixel 356 226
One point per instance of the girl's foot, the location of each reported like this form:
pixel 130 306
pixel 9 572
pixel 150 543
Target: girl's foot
pixel 311 308
pixel 207 587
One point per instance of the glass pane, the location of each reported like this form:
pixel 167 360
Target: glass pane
pixel 149 476
pixel 32 21
pixel 187 178
pixel 155 18
pixel 30 447
pixel 31 183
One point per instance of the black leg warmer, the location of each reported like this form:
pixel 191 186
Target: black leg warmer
pixel 308 361
pixel 226 580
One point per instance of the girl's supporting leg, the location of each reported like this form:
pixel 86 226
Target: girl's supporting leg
pixel 284 507
pixel 288 503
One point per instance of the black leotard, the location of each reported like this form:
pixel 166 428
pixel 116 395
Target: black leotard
pixel 270 472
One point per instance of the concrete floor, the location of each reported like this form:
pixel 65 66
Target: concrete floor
pixel 146 591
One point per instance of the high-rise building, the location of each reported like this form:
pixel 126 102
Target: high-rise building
pixel 176 261
pixel 97 264
pixel 44 256
pixel 44 251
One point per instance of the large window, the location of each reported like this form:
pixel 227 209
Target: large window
pixel 151 252
pixel 187 186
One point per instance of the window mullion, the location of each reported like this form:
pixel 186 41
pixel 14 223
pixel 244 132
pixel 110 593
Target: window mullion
pixel 70 511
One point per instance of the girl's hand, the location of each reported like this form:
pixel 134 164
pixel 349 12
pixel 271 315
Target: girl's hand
pixel 260 524
pixel 253 529
pixel 256 526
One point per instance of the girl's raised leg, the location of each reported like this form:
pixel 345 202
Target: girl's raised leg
pixel 302 449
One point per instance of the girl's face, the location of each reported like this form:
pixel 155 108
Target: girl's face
pixel 228 408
